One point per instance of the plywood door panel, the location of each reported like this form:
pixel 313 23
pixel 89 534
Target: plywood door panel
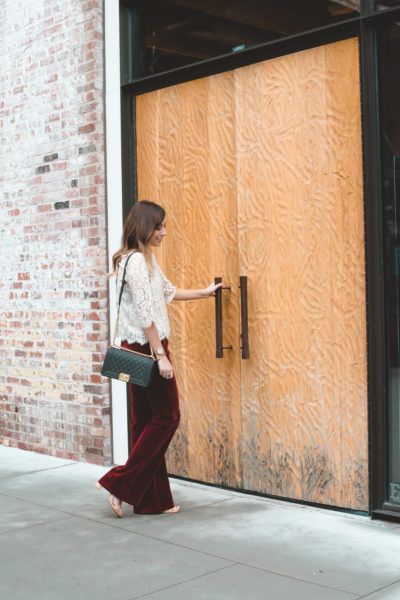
pixel 260 172
pixel 196 184
pixel 348 273
pixel 159 169
pixel 301 244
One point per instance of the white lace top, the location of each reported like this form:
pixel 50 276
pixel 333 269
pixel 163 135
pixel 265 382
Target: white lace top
pixel 144 299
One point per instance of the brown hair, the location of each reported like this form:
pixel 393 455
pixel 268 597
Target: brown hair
pixel 144 217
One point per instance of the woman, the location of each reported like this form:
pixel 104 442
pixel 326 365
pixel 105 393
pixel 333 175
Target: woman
pixel 143 322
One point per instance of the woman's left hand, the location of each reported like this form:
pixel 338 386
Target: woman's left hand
pixel 210 290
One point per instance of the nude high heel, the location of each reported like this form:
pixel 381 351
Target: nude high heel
pixel 116 508
pixel 171 511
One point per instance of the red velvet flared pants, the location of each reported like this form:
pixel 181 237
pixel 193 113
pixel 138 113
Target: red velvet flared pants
pixel 143 480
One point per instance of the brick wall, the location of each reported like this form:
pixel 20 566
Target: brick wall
pixel 53 290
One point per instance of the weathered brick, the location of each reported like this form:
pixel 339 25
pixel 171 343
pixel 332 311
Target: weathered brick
pixel 87 149
pixel 87 128
pixel 61 205
pixel 42 169
pixel 52 133
pixel 24 276
pixel 50 157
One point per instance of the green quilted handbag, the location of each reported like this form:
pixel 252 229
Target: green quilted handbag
pixel 128 365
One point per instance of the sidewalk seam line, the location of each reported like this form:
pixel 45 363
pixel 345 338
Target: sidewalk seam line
pixel 149 517
pixel 173 585
pixel 133 532
pixel 379 589
pixel 185 547
pixel 329 587
pixel 36 471
pixel 235 564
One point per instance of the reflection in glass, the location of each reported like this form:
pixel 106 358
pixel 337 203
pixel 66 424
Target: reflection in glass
pixel 390 144
pixel 383 4
pixel 173 33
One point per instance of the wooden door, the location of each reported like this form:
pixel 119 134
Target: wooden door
pixel 186 162
pixel 260 172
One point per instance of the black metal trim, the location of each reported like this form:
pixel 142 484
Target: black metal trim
pixel 387 513
pixel 128 150
pixel 373 249
pixel 228 62
pixel 125 36
pixel 273 49
pixel 388 14
pixel 129 185
pixel 367 7
pixel 391 507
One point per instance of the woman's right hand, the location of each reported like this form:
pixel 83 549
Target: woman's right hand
pixel 165 368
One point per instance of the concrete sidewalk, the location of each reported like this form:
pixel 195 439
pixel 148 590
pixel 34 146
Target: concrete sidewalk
pixel 59 540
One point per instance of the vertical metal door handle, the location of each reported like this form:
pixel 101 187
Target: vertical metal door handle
pixel 244 318
pixel 219 353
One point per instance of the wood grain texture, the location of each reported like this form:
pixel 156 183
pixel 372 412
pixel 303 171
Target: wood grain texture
pixel 194 148
pixel 348 284
pixel 304 397
pixel 259 170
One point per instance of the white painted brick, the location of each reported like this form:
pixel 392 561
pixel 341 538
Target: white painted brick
pixel 51 76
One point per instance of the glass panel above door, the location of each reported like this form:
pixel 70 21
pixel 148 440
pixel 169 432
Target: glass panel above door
pixel 174 33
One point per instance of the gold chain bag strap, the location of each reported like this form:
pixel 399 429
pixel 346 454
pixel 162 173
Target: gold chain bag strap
pixel 124 364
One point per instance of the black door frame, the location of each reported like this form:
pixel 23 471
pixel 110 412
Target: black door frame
pixel 365 28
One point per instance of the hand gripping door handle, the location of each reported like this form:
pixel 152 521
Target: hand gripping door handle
pixel 218 320
pixel 244 318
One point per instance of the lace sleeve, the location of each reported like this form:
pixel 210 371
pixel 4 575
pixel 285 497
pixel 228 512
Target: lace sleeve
pixel 168 288
pixel 138 280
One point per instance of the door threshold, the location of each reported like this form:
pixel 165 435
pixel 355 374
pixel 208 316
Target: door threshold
pixel 349 511
pixel 385 514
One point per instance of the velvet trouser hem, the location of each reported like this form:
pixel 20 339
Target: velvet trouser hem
pixel 143 480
